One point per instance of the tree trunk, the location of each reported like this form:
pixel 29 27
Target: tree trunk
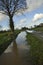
pixel 11 24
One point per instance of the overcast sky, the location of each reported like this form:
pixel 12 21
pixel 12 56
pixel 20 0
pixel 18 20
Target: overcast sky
pixel 32 16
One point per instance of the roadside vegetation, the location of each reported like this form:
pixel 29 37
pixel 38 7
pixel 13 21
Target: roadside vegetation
pixel 36 49
pixel 5 40
pixel 38 28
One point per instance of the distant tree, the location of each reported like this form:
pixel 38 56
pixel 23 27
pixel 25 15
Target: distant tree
pixel 35 26
pixel 41 24
pixel 25 28
pixel 10 7
pixel 0 26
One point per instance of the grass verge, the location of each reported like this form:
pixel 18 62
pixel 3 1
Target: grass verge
pixel 5 40
pixel 36 49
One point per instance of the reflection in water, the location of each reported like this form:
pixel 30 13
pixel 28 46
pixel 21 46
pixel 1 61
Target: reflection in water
pixel 21 41
pixel 16 53
pixel 15 49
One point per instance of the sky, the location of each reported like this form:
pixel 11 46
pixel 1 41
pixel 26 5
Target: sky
pixel 33 15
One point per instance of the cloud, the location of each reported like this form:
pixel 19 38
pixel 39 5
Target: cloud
pixel 33 4
pixel 23 20
pixel 18 26
pixel 21 24
pixel 37 17
pixel 2 17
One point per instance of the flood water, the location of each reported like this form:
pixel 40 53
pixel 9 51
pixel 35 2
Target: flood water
pixel 16 53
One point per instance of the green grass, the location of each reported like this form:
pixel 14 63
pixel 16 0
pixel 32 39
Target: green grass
pixel 36 49
pixel 5 40
pixel 4 37
pixel 7 36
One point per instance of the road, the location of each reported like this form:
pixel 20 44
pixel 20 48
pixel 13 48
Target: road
pixel 38 34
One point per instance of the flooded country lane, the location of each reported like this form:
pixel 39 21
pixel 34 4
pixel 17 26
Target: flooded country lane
pixel 17 53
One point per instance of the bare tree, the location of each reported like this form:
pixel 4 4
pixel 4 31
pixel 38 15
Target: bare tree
pixel 9 7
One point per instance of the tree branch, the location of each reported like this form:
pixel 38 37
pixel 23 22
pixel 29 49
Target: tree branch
pixel 3 7
pixel 16 3
pixel 3 13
